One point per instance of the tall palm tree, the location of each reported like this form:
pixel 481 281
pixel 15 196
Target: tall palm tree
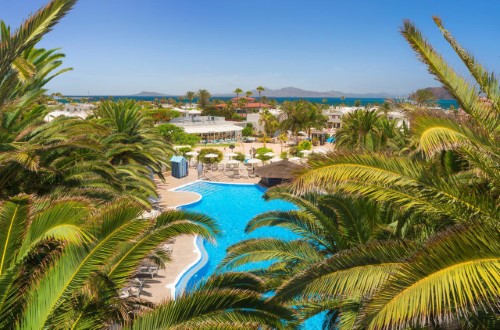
pixel 203 98
pixel 451 278
pixel 190 96
pixel 248 93
pixel 237 91
pixel 295 116
pixel 315 118
pixel 269 122
pixel 260 89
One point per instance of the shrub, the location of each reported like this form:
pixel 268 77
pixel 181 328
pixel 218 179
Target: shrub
pixel 206 151
pixel 284 155
pixel 259 153
pixel 240 157
pixel 183 150
pixel 248 130
pixel 304 145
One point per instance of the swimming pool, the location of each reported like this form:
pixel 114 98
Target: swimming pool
pixel 232 206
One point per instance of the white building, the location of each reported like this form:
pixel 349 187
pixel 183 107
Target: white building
pixel 209 128
pixel 82 110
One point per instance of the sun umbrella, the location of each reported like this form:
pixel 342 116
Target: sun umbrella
pixel 269 154
pixel 211 156
pixel 192 153
pixel 279 170
pixel 305 152
pixel 275 159
pixel 295 159
pixel 254 161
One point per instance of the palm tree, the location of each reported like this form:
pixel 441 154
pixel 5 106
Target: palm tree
pixel 237 91
pixel 260 89
pixel 294 116
pixel 315 118
pixel 270 124
pixel 203 98
pixel 326 225
pixel 226 301
pixel 452 276
pixel 248 94
pixel 422 97
pixel 79 244
pixel 190 96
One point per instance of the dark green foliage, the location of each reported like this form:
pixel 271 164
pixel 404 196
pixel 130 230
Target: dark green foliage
pixel 175 135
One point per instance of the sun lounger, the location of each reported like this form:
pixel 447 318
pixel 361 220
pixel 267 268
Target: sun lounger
pixel 137 283
pixel 167 248
pixel 148 270
pixel 130 292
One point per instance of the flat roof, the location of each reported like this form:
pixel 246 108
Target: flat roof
pixel 203 129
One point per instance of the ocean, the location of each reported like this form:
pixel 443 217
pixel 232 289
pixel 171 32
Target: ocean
pixel 445 104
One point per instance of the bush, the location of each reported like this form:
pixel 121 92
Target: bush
pixel 259 153
pixel 247 131
pixel 284 155
pixel 183 150
pixel 304 145
pixel 206 151
pixel 240 157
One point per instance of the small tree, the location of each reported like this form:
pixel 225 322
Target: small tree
pixel 248 130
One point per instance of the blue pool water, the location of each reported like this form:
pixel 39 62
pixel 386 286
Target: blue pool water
pixel 232 206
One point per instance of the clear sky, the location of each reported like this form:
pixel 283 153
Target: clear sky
pixel 120 47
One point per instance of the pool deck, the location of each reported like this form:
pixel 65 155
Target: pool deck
pixel 184 251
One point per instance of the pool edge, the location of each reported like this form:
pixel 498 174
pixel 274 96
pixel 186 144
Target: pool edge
pixel 173 286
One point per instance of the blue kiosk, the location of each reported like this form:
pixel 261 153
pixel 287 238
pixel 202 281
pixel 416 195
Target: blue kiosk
pixel 180 167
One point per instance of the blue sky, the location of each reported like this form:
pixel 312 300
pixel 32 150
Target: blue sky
pixel 120 47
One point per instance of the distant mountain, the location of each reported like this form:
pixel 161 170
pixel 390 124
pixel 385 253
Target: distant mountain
pixel 297 92
pixel 149 94
pixel 440 93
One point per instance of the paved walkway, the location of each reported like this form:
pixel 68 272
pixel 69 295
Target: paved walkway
pixel 184 252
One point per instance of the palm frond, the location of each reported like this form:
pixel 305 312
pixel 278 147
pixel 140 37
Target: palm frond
pixel 454 275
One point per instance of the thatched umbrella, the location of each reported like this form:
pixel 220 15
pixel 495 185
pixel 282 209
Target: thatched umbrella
pixel 277 172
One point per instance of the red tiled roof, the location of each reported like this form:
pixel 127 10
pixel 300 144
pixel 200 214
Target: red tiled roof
pixel 257 105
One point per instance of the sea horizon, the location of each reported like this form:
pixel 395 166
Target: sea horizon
pixel 348 101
